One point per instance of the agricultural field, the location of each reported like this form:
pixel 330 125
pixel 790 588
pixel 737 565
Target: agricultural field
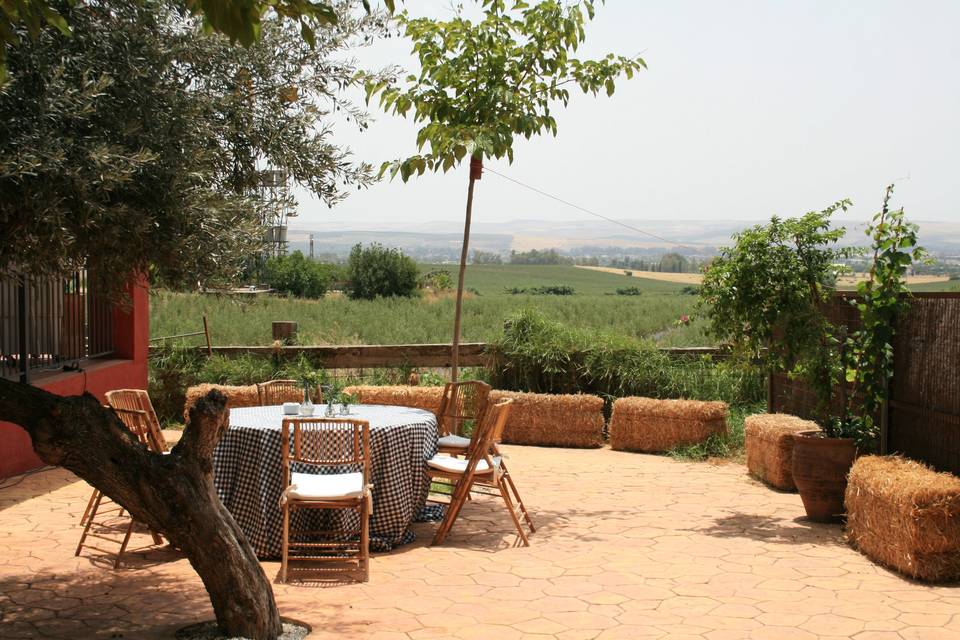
pixel 236 320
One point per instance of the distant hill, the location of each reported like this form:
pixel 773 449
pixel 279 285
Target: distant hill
pixel 440 241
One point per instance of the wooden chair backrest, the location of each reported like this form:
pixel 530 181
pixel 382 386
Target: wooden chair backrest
pixel 462 402
pixel 139 400
pixel 325 442
pixel 481 445
pixel 280 391
pixel 138 423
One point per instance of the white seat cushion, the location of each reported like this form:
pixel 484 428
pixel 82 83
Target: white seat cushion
pixel 454 442
pixel 459 465
pixel 335 486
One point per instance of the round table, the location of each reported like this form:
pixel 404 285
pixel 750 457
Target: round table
pixel 247 471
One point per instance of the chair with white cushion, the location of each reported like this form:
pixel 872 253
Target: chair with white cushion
pixel 482 468
pixel 326 465
pixel 461 412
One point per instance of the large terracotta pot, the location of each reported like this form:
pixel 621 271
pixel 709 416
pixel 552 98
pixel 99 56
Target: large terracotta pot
pixel 820 468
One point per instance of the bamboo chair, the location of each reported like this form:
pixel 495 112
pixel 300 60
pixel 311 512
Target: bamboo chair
pixel 481 469
pixel 338 444
pixel 138 423
pixel 280 391
pixel 137 400
pixel 462 405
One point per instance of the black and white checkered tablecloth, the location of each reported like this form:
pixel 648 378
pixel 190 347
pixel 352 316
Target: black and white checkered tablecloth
pixel 247 471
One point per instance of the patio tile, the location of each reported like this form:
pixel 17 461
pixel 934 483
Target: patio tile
pixel 628 546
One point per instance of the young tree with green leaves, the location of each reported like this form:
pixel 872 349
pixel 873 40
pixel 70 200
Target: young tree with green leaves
pixel 881 300
pixel 483 83
pixel 131 147
pixel 765 295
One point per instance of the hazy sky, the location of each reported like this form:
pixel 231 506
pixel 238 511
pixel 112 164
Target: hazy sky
pixel 749 108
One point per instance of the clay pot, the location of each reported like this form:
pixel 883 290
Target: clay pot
pixel 820 468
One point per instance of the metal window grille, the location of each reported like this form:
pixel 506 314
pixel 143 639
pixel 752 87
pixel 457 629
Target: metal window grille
pixel 49 324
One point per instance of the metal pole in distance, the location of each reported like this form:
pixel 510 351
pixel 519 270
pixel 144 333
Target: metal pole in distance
pixel 23 300
pixel 476 170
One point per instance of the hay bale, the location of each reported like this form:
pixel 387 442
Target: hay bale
pixel 553 420
pixel 237 396
pixel 535 418
pixel 427 398
pixel 768 438
pixel 906 516
pixel 649 425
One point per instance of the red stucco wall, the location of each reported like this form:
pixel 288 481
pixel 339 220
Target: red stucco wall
pixel 128 370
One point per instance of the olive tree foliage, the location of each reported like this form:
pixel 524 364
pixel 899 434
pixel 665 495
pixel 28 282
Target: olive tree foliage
pixel 135 143
pixel 240 21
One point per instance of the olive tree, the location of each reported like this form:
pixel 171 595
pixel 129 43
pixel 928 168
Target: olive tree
pixel 241 21
pixel 483 83
pixel 131 146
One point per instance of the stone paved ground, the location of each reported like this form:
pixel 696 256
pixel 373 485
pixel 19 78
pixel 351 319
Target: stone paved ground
pixel 629 546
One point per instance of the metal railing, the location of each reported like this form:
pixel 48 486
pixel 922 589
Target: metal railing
pixel 51 324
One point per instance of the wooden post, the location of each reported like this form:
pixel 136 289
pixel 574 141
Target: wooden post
pixel 206 334
pixel 284 330
pixel 476 170
pixel 885 420
pixel 770 390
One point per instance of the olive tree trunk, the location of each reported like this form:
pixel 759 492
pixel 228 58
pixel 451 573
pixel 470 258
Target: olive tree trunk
pixel 172 494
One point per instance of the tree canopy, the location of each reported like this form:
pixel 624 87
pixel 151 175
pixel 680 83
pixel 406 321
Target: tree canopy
pixel 483 83
pixel 239 20
pixel 137 142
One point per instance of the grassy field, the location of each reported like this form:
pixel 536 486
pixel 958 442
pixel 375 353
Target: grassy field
pixel 338 320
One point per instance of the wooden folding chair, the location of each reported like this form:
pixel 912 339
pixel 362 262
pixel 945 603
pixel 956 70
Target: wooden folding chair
pixel 137 400
pixel 138 423
pixel 342 446
pixel 461 411
pixel 481 468
pixel 275 392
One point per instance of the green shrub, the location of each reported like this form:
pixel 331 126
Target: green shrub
pixel 539 355
pixel 629 291
pixel 379 272
pixel 438 280
pixel 549 290
pixel 296 275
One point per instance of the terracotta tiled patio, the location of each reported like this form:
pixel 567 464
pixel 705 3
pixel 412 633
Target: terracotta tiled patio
pixel 628 546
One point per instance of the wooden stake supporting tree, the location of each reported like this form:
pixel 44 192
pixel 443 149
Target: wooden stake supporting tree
pixel 172 494
pixel 483 83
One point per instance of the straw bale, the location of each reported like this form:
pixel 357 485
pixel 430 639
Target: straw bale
pixel 237 396
pixel 906 516
pixel 427 398
pixel 769 442
pixel 553 420
pixel 650 425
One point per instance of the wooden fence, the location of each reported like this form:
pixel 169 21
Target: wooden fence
pixel 921 418
pixel 472 354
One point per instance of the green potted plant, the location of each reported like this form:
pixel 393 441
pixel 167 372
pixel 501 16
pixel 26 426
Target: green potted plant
pixel 768 295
